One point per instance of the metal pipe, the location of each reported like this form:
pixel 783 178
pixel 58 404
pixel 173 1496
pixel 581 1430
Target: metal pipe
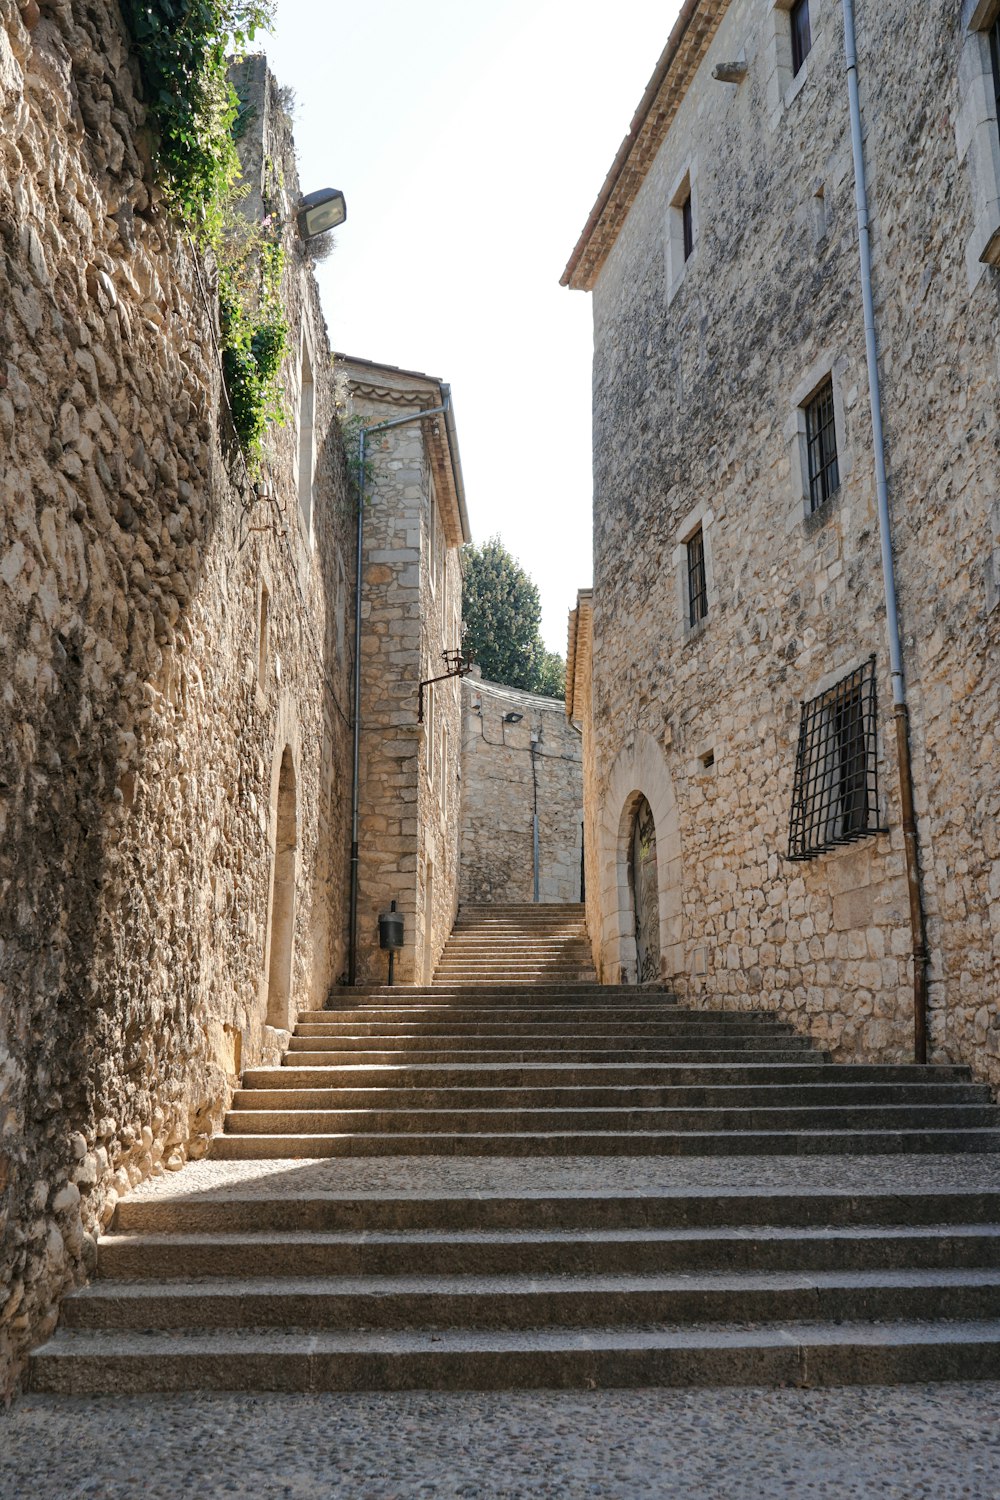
pixel 901 712
pixel 534 813
pixel 352 934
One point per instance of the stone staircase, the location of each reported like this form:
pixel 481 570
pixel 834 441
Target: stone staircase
pixel 492 1187
pixel 528 943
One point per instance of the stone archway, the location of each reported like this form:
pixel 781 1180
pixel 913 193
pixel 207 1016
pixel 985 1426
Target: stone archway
pixel 644 888
pixel 639 773
pixel 280 947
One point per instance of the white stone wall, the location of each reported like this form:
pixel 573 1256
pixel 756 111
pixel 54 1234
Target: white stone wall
pixel 508 770
pixel 699 381
pixel 141 727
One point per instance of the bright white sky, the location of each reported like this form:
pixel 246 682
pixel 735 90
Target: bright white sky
pixel 471 138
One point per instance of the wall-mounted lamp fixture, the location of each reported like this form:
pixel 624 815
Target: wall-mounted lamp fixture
pixel 320 211
pixel 512 718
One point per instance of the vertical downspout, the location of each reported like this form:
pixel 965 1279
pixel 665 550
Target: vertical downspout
pixel 352 942
pixel 534 815
pixel 900 710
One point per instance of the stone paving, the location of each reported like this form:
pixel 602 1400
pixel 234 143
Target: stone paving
pixel 941 1442
pixel 407 1174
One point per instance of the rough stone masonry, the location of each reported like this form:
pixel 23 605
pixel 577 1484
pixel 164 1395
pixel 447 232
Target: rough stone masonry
pixel 723 262
pixel 174 694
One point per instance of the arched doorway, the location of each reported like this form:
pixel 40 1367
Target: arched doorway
pixel 279 974
pixel 645 891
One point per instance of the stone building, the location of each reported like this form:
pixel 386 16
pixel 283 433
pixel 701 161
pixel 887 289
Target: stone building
pixel 521 761
pixel 742 779
pixel 174 670
pixel 411 609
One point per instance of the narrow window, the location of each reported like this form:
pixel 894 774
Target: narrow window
pixel 697 585
pixel 835 796
pixel 687 226
pixel 821 446
pixel 262 630
pixel 801 34
pixel 307 400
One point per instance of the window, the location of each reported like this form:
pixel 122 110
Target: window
pixel 697 582
pixel 801 34
pixel 432 538
pixel 444 772
pixel 821 446
pixel 835 795
pixel 429 730
pixel 687 227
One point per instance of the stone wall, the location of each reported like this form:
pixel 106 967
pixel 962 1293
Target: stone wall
pixel 144 724
pixel 509 770
pixel 415 525
pixel 702 369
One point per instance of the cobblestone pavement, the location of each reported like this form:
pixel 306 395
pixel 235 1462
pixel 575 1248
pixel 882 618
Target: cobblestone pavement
pixel 940 1442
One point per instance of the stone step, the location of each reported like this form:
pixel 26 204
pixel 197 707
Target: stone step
pixel 807 1096
pixel 231 1147
pixel 542 1017
pixel 600 1023
pixel 141 1257
pixel 285 1208
pixel 540 995
pixel 311 1038
pixel 546 1121
pixel 518 1301
pixel 789 1354
pixel 436 1074
pixel 320 1054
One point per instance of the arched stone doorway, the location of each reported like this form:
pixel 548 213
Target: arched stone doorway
pixel 279 973
pixel 645 892
pixel 638 773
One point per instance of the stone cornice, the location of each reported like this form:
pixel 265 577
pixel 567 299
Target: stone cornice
pixel 684 53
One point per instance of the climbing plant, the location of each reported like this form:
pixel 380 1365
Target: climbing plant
pixel 182 49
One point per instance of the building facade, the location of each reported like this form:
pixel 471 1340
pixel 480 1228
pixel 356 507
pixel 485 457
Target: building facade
pixel 522 797
pixel 744 824
pixel 415 524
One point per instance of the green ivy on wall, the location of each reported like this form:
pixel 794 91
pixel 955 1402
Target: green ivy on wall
pixel 181 47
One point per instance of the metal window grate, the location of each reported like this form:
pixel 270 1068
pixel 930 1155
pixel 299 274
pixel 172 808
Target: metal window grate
pixel 697 583
pixel 687 226
pixel 821 446
pixel 835 796
pixel 801 34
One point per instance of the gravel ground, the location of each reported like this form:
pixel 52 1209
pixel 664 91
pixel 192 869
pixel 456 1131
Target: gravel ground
pixel 941 1442
pixel 416 1174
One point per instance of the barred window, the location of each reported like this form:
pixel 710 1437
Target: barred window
pixel 821 445
pixel 697 583
pixel 835 796
pixel 801 34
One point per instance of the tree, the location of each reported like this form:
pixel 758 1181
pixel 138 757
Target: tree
pixel 501 612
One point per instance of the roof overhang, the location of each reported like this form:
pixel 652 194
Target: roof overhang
pixel 401 391
pixel 689 41
pixel 578 650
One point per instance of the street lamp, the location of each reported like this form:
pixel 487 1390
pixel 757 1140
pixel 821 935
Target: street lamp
pixel 317 212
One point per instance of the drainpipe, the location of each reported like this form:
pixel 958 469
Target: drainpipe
pixel 901 712
pixel 534 812
pixel 416 416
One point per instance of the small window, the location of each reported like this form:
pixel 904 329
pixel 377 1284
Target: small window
pixel 444 772
pixel 835 796
pixel 687 226
pixel 429 730
pixel 821 446
pixel 801 34
pixel 432 538
pixel 697 582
